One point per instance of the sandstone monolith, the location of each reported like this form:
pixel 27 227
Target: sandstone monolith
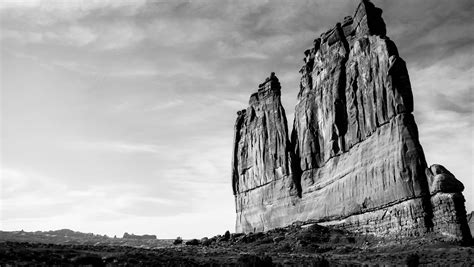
pixel 354 159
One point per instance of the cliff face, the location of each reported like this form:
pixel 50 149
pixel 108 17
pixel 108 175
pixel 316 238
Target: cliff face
pixel 261 165
pixel 354 158
pixel 353 124
pixel 261 142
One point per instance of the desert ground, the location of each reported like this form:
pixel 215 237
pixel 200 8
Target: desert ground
pixel 296 245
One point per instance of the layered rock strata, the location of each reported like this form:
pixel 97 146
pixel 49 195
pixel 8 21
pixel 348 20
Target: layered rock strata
pixel 354 158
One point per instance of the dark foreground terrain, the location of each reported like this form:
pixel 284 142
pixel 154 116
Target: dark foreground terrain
pixel 311 245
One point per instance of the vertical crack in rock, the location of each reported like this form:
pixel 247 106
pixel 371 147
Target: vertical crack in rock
pixel 354 159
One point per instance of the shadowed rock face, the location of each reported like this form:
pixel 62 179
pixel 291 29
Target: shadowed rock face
pixel 354 158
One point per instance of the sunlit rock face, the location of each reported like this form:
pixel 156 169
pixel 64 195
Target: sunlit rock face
pixel 353 159
pixel 261 172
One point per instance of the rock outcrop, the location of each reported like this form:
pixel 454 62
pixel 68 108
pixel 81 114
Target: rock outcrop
pixel 470 222
pixel 138 237
pixel 354 159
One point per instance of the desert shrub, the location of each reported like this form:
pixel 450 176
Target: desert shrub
pixel 335 238
pixel 226 236
pixel 254 260
pixel 193 242
pixel 412 260
pixel 266 240
pixel 278 239
pixel 91 260
pixel 351 239
pixel 236 235
pixel 178 241
pixel 286 247
pixel 320 262
pixel 206 241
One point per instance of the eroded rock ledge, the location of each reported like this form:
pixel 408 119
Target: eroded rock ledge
pixel 354 158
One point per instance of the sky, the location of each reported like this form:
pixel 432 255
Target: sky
pixel 117 116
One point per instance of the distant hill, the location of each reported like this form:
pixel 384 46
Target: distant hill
pixel 67 233
pixel 139 237
pixel 67 236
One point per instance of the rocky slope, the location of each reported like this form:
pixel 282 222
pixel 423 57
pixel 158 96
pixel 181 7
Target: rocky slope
pixel 354 159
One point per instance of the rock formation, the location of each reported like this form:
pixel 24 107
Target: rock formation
pixel 138 237
pixel 470 221
pixel 354 159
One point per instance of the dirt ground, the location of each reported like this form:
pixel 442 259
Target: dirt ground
pixel 292 246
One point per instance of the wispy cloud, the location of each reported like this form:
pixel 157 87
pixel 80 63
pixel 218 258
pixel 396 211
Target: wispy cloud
pixel 25 197
pixel 167 105
pixel 110 37
pixel 120 35
pixel 50 12
pixel 118 147
pixel 77 35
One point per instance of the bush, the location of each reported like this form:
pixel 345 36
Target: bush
pixel 206 241
pixel 91 260
pixel 226 235
pixel 278 239
pixel 320 262
pixel 193 242
pixel 178 241
pixel 266 240
pixel 254 260
pixel 412 260
pixel 286 247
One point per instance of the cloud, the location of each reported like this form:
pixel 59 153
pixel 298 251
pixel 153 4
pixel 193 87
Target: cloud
pixel 446 31
pixel 24 37
pixel 229 51
pixel 110 37
pixel 117 147
pixel 30 195
pixel 77 35
pixel 20 4
pixel 167 105
pixel 50 12
pixel 443 87
pixel 161 207
pixel 183 31
pixel 119 36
